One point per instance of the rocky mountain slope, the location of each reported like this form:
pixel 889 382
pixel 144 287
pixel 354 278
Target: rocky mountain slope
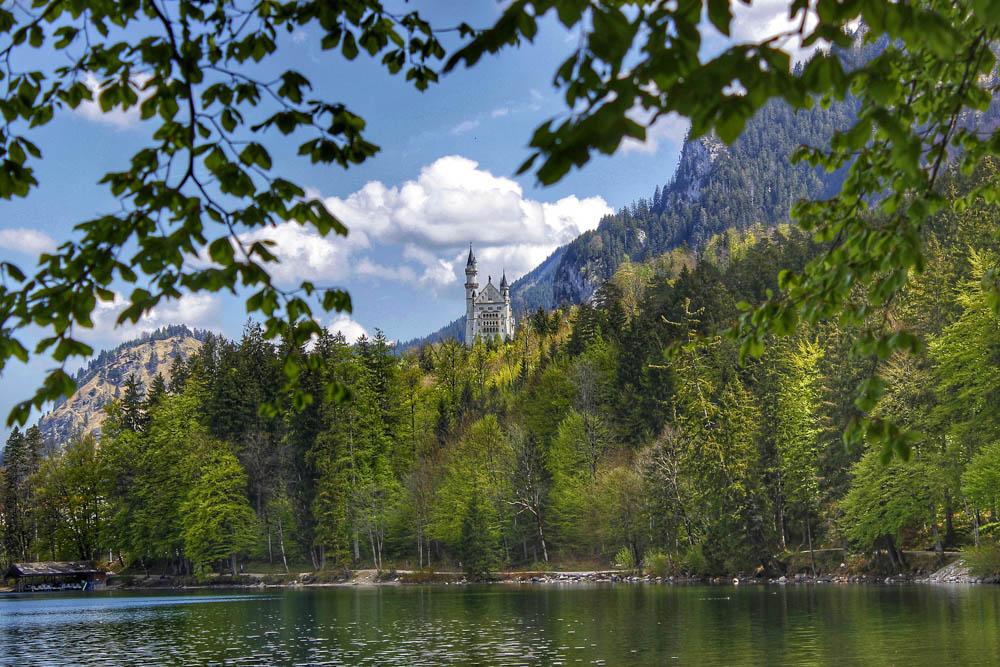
pixel 103 379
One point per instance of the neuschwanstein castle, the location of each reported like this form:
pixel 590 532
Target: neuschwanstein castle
pixel 487 313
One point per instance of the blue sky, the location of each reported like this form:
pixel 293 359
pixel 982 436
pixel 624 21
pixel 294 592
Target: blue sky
pixel 444 178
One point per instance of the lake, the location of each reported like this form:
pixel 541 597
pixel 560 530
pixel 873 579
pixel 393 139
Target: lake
pixel 553 624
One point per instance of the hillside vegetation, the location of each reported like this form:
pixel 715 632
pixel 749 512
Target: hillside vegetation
pixel 590 437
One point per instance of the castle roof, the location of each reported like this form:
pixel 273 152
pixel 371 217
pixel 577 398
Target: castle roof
pixel 472 258
pixel 503 281
pixel 490 294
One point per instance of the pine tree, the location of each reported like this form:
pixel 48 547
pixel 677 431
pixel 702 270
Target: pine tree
pixel 477 546
pixel 133 413
pixel 21 459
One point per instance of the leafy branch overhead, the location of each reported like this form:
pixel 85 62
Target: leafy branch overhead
pixel 206 178
pixel 917 103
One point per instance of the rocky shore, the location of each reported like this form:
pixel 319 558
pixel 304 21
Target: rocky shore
pixel 953 573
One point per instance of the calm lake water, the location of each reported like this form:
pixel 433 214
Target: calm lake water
pixel 510 625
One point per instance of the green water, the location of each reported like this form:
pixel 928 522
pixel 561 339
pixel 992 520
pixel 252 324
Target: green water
pixel 510 625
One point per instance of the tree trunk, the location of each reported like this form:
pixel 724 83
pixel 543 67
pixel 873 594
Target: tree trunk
pixel 281 543
pixel 949 526
pixel 974 515
pixel 938 548
pixel 891 551
pixel 809 536
pixel 233 562
pixel 781 520
pixel 420 545
pixel 541 537
pixel 270 553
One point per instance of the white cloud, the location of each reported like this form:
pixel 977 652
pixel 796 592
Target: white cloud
pixel 440 273
pixel 465 126
pixel 27 241
pixel 200 311
pixel 453 202
pixel 429 221
pixel 304 255
pixel 122 119
pixel 351 329
pixel 769 18
pixel 368 268
pixel 499 113
pixel 299 36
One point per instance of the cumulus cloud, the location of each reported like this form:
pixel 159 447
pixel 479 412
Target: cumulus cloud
pixel 349 327
pixel 427 223
pixel 122 119
pixel 452 202
pixel 305 255
pixel 200 311
pixel 27 241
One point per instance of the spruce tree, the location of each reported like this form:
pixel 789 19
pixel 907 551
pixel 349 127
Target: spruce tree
pixel 477 547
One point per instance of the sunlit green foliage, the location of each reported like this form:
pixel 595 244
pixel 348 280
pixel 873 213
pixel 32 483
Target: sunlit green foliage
pixel 578 439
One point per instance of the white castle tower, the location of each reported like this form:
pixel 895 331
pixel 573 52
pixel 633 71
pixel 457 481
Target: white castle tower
pixel 487 313
pixel 471 285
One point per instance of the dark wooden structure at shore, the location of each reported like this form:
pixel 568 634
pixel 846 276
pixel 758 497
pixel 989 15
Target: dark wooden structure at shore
pixel 55 576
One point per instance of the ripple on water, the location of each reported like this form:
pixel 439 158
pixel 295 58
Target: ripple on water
pixel 528 625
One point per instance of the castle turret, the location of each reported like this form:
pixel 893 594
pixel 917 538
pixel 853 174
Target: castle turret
pixel 508 319
pixel 471 285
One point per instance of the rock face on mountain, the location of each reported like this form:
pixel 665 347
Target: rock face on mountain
pixel 103 380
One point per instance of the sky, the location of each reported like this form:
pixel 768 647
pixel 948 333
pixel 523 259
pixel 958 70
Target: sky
pixel 444 178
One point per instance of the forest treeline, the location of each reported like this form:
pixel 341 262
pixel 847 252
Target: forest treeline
pixel 590 437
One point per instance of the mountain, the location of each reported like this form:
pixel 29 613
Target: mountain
pixel 103 379
pixel 715 187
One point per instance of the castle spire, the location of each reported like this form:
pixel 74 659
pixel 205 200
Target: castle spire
pixel 503 281
pixel 472 257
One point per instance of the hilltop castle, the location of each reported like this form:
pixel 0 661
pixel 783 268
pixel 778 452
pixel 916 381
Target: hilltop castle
pixel 487 313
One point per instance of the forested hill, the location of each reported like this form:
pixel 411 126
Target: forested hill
pixel 104 378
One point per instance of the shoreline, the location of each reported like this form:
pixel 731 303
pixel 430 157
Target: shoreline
pixel 953 573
